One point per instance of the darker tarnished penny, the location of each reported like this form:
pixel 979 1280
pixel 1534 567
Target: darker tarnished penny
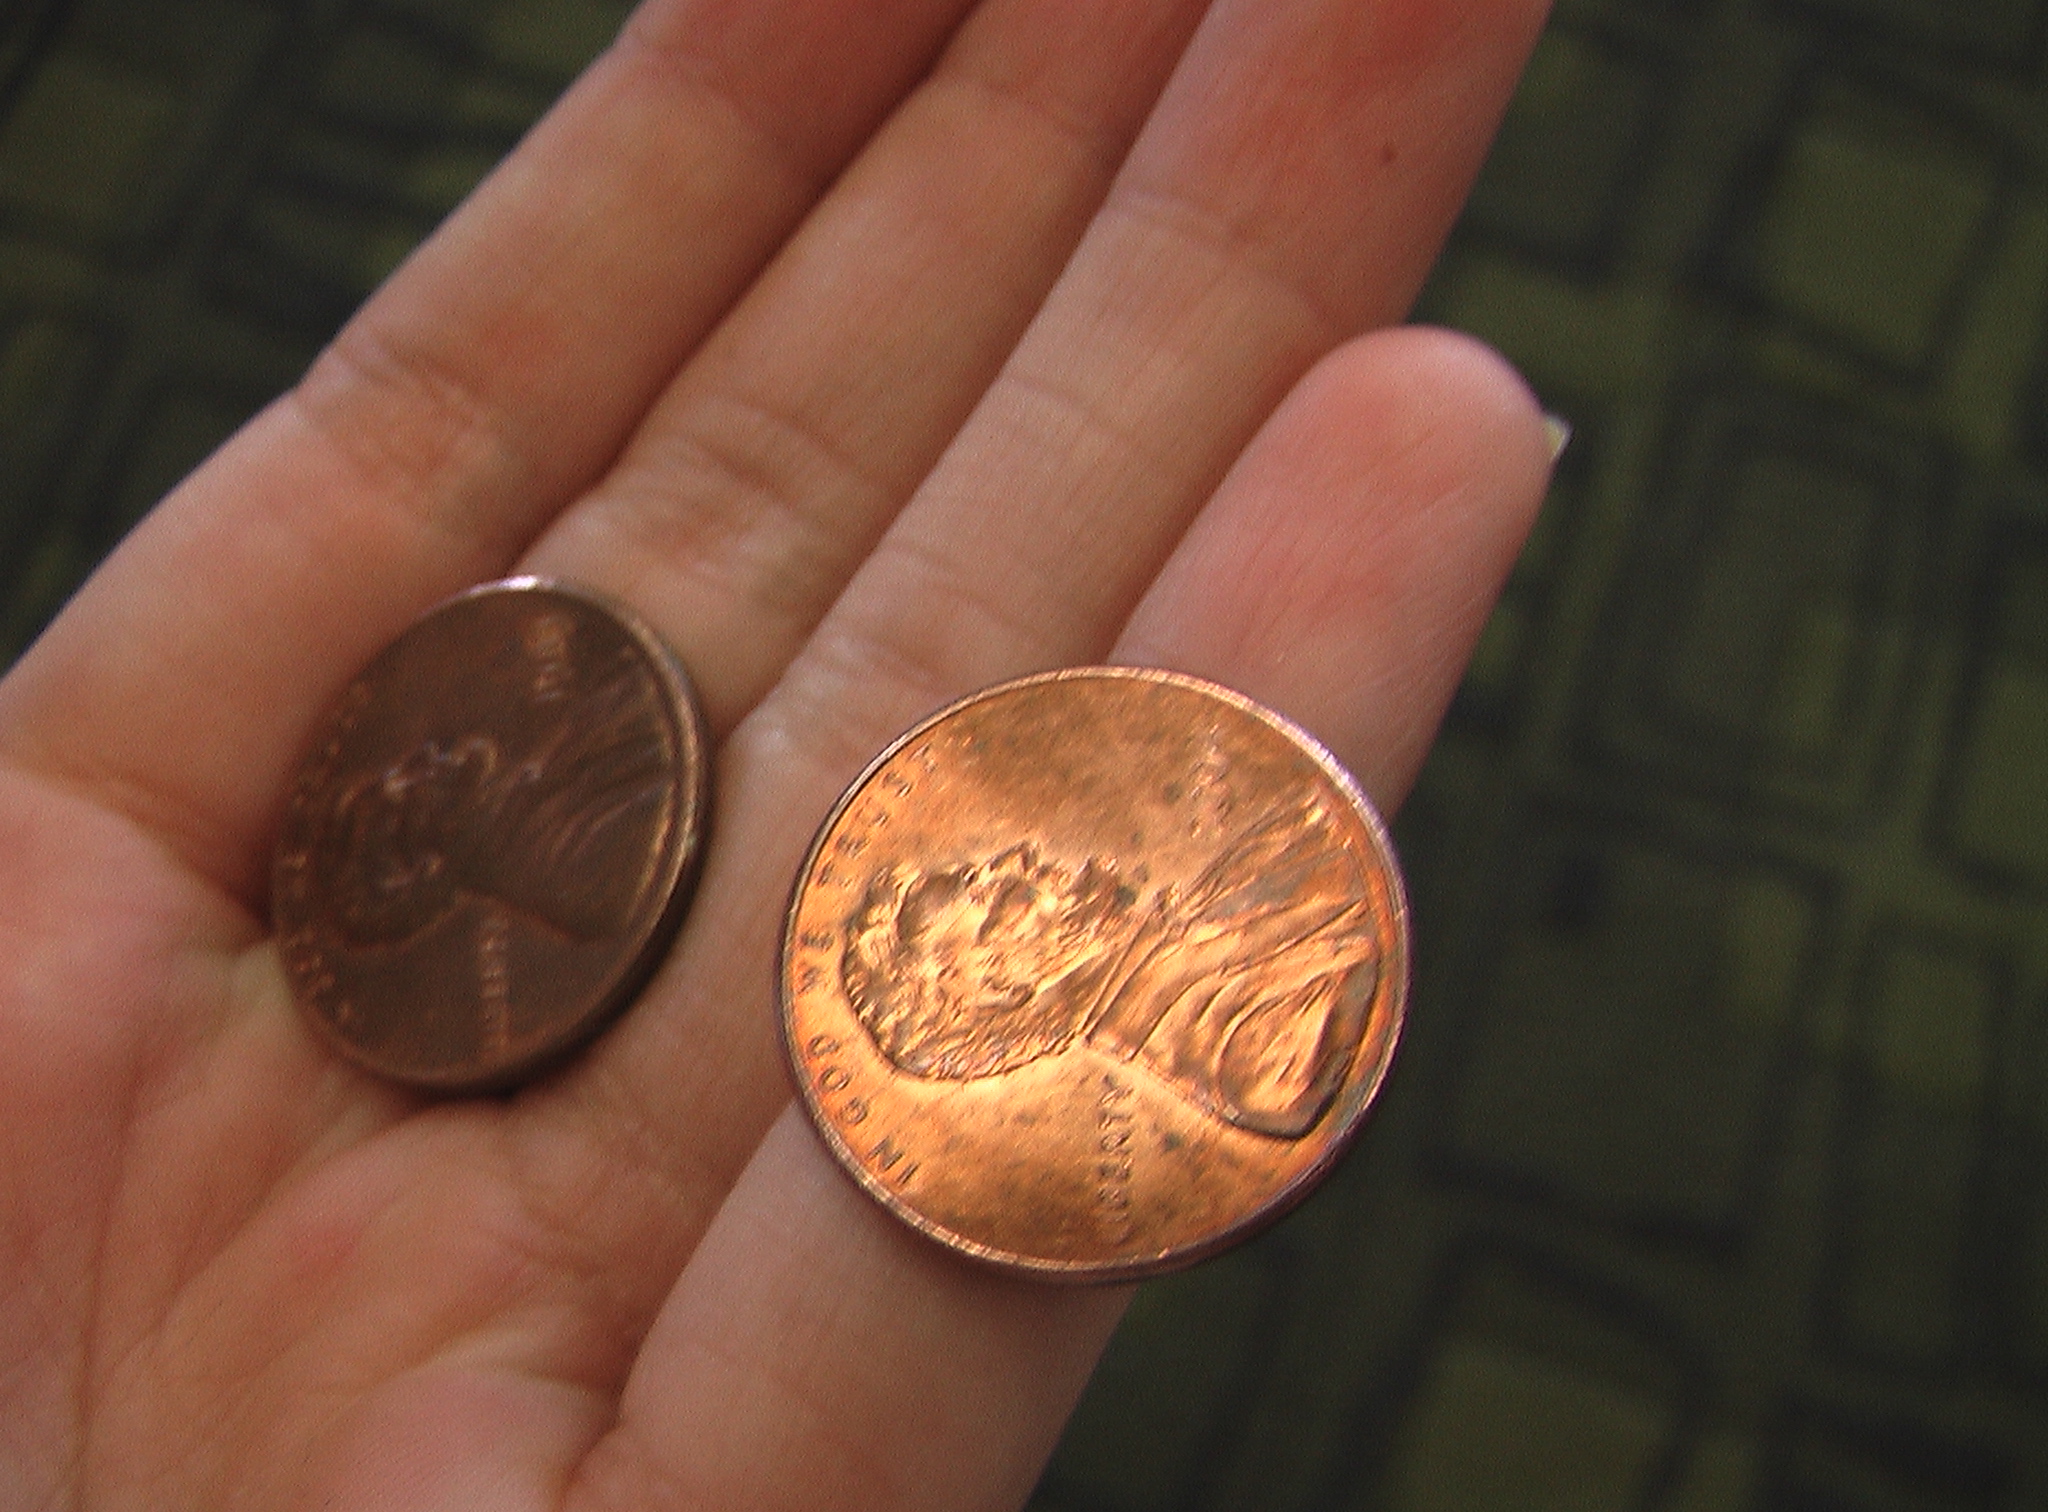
pixel 489 847
pixel 1093 974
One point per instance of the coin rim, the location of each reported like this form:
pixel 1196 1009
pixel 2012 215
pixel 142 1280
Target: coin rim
pixel 686 720
pixel 1291 1194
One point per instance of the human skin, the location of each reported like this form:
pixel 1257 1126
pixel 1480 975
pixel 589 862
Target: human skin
pixel 874 352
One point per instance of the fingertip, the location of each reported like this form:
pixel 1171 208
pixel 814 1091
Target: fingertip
pixel 1444 387
pixel 1344 568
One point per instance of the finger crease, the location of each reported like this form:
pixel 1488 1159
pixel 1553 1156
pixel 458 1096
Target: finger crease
pixel 1088 414
pixel 955 638
pixel 642 51
pixel 430 438
pixel 1206 230
pixel 784 469
pixel 1088 135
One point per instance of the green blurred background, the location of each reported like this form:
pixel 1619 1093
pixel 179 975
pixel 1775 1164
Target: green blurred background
pixel 1713 1174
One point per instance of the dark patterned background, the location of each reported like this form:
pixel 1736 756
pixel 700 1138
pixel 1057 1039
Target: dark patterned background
pixel 1715 1170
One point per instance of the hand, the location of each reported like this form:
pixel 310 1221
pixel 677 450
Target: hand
pixel 873 354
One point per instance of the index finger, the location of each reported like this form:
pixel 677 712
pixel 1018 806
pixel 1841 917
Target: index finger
pixel 493 377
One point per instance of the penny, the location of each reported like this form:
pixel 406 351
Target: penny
pixel 490 844
pixel 1095 973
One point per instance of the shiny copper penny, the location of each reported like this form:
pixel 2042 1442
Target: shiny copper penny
pixel 1095 973
pixel 490 845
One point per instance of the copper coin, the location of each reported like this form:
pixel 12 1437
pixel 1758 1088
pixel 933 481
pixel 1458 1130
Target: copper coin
pixel 491 843
pixel 1095 973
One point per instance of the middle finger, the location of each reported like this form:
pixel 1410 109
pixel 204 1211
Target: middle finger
pixel 788 442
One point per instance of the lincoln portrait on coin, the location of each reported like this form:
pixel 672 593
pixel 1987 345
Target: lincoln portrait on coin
pixel 1246 989
pixel 548 816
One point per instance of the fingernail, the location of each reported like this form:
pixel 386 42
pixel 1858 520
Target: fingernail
pixel 1559 430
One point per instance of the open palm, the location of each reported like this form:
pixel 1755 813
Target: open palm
pixel 873 352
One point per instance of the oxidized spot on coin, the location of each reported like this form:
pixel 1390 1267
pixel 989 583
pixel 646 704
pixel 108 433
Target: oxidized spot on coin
pixel 1113 959
pixel 488 851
